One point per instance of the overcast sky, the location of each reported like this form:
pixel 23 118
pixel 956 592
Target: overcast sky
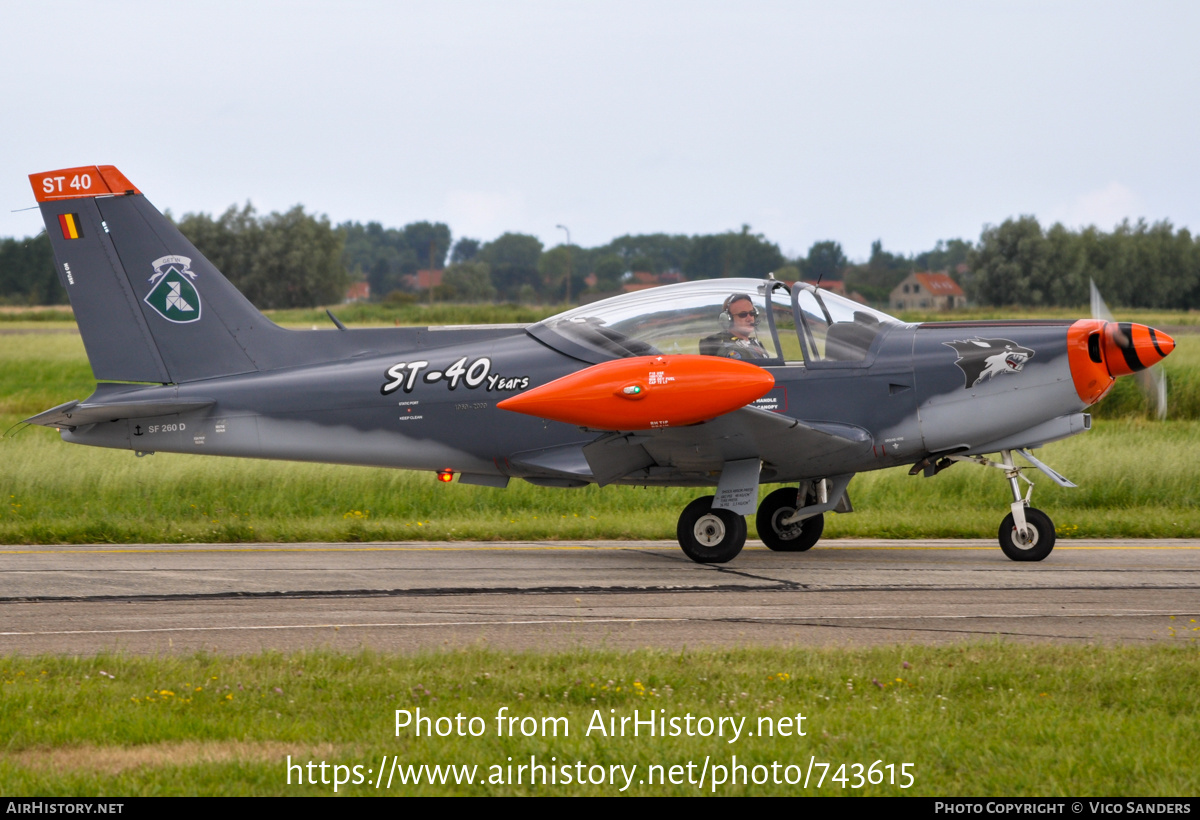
pixel 903 121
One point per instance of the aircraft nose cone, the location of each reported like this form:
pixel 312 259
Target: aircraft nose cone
pixel 1132 347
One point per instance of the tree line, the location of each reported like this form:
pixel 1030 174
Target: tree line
pixel 298 259
pixel 1135 265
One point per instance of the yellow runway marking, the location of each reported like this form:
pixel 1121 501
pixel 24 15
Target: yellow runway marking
pixel 997 546
pixel 531 548
pixel 666 545
pixel 539 622
pixel 124 550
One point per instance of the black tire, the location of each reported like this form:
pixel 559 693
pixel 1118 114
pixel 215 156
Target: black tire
pixel 710 536
pixel 1041 540
pixel 799 537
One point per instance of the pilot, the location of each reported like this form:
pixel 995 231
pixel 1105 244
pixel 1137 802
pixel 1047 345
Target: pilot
pixel 738 338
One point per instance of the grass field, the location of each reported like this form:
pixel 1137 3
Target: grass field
pixel 1135 477
pixel 976 720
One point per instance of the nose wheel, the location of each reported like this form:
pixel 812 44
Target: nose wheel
pixel 710 536
pixel 1035 543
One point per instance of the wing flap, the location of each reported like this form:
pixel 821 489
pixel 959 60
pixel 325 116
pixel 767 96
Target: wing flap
pixel 564 460
pixel 615 456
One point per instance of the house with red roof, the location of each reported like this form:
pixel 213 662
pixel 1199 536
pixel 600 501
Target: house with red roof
pixel 927 291
pixel 424 279
pixel 358 292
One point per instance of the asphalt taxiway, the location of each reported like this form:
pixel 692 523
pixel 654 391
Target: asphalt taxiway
pixel 152 599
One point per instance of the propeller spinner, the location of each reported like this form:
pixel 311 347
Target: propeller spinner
pixel 1134 349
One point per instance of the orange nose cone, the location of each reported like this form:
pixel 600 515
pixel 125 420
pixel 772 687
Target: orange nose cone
pixel 1129 347
pixel 646 392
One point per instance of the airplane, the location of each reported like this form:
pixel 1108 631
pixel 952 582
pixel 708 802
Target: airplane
pixel 725 384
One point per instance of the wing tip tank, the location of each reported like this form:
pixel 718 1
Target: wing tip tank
pixel 646 392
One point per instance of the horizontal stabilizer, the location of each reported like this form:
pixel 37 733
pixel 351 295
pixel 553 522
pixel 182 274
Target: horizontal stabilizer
pixel 76 413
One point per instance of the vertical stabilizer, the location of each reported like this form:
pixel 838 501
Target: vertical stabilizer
pixel 149 306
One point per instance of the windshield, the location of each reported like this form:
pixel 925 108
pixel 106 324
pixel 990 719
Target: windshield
pixel 721 317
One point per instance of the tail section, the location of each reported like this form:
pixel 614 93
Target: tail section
pixel 149 306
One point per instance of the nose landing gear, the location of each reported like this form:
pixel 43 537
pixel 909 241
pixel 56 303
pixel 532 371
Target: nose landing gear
pixel 1026 534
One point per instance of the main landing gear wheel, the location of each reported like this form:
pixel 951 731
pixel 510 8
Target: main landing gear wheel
pixel 1038 542
pixel 710 536
pixel 798 537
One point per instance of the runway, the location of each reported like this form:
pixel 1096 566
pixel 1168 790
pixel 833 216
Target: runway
pixel 159 599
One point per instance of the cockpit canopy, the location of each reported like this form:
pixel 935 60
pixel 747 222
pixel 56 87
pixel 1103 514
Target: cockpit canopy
pixel 794 325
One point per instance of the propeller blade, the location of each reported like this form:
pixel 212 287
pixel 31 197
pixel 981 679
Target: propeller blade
pixel 1099 309
pixel 1154 384
pixel 1152 381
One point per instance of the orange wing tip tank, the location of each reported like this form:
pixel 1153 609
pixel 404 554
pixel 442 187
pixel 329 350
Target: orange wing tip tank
pixel 646 392
pixel 1101 351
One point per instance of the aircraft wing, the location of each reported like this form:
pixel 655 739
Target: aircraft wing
pixel 785 445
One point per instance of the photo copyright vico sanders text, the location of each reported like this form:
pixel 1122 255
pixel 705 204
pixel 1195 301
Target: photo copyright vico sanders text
pixel 548 769
pixel 1048 806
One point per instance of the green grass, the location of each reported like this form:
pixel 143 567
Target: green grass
pixel 46 315
pixel 973 720
pixel 1137 478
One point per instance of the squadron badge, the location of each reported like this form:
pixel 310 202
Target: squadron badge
pixel 983 359
pixel 173 296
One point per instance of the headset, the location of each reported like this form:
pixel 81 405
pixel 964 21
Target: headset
pixel 726 318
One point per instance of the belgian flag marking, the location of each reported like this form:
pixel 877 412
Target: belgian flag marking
pixel 71 228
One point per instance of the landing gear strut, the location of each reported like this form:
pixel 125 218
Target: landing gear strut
pixel 710 536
